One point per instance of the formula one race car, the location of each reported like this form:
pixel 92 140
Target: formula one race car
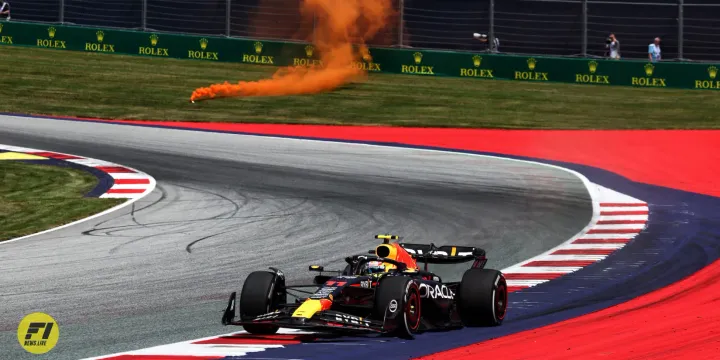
pixel 384 292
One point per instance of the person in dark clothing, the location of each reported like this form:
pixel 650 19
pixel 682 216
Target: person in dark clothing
pixel 484 38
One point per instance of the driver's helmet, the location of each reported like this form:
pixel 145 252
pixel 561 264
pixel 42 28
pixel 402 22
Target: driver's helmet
pixel 372 267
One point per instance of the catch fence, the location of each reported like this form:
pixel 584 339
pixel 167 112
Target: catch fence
pixel 689 29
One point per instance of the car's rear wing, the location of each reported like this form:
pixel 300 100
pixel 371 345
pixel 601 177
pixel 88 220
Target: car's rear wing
pixel 446 254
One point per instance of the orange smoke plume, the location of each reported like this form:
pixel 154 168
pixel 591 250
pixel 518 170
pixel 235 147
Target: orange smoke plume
pixel 340 23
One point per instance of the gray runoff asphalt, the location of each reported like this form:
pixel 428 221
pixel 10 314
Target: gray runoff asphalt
pixel 160 271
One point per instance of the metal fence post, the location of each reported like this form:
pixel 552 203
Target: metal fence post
pixel 228 9
pixel 491 26
pixel 681 25
pixel 144 14
pixel 584 27
pixel 61 16
pixel 401 22
pixel 314 26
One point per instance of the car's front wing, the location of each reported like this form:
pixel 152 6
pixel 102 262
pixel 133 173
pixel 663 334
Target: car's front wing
pixel 323 321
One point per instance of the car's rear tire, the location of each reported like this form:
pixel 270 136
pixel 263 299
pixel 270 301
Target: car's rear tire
pixel 261 293
pixel 482 297
pixel 404 288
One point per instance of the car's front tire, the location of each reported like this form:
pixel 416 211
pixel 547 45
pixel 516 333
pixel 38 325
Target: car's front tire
pixel 406 290
pixel 261 293
pixel 482 297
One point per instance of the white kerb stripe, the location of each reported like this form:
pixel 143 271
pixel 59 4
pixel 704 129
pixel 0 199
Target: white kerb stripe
pixel 130 186
pixel 525 282
pixel 204 350
pixel 128 176
pixel 616 204
pixel 618 226
pixel 19 149
pixel 591 246
pixel 541 269
pixel 91 162
pixel 612 196
pixel 623 217
pixel 189 342
pixel 629 208
pixel 608 236
pixel 570 257
pixel 121 196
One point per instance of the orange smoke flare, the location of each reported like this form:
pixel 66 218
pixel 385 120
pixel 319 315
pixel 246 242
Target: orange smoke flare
pixel 339 24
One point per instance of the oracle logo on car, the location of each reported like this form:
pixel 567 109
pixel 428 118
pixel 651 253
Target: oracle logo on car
pixel 435 292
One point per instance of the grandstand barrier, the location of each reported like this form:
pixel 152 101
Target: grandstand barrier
pixel 383 60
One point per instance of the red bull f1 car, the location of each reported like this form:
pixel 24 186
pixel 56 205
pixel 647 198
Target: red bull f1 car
pixel 382 292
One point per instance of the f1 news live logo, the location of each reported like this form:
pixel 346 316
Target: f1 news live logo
pixel 38 333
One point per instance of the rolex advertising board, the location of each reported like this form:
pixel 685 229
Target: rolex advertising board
pixel 485 66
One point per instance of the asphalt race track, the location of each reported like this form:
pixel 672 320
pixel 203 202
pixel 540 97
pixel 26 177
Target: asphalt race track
pixel 161 270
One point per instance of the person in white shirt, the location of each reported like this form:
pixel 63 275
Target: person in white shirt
pixel 5 10
pixel 654 51
pixel 613 45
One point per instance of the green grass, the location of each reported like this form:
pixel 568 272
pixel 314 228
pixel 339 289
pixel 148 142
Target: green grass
pixel 34 198
pixel 125 87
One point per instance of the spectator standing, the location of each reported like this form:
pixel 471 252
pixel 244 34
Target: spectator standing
pixel 496 45
pixel 613 45
pixel 493 47
pixel 5 10
pixel 654 51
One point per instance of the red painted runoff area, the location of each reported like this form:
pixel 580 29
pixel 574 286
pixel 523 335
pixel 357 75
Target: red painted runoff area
pixel 676 322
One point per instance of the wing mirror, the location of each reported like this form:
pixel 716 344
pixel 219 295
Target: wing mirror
pixel 316 268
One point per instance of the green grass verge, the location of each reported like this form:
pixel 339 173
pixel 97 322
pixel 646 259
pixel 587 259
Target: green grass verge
pixel 34 198
pixel 126 87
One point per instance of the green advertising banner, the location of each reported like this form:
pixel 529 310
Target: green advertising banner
pixel 381 60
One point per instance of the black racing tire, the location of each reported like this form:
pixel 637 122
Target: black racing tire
pixel 400 287
pixel 259 296
pixel 482 298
